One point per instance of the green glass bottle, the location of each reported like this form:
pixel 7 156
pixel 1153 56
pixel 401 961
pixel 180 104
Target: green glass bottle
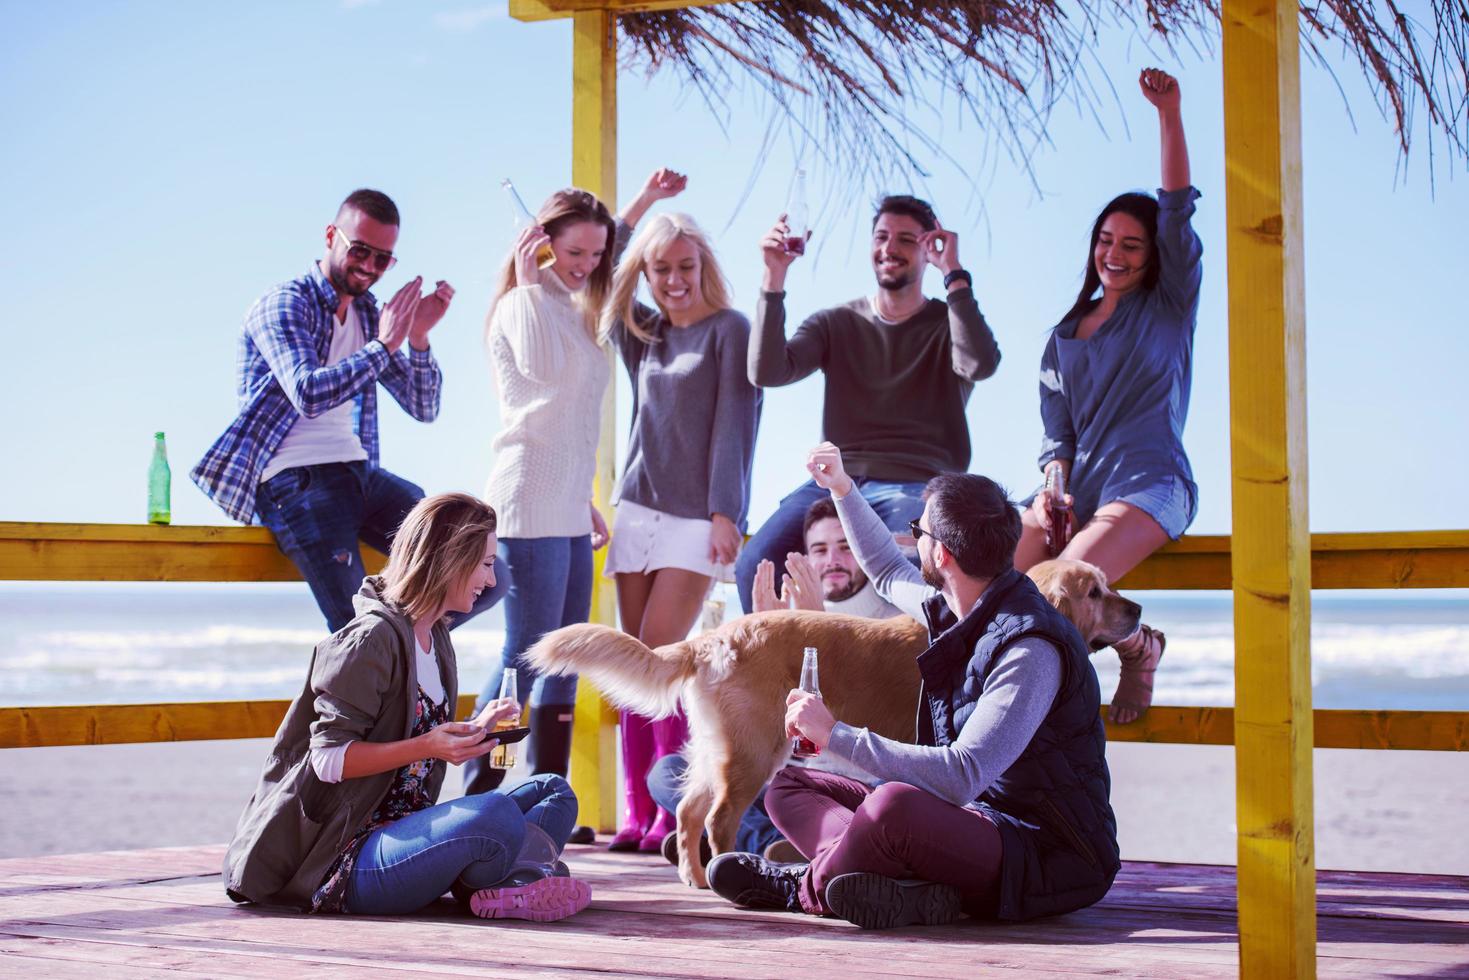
pixel 159 479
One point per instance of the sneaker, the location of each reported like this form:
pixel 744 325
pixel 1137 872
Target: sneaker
pixel 670 849
pixel 875 901
pixel 755 883
pixel 783 852
pixel 543 900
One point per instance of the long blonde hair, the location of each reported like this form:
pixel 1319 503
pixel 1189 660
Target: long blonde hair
pixel 561 210
pixel 438 546
pixel 660 232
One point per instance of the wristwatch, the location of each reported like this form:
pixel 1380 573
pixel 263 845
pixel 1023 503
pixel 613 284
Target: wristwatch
pixel 958 274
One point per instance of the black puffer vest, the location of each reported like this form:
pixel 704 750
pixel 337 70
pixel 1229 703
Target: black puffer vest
pixel 1056 824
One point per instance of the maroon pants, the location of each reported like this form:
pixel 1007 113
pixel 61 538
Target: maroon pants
pixel 895 830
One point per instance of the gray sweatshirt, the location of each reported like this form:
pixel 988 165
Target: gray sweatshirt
pixel 694 418
pixel 1016 696
pixel 895 392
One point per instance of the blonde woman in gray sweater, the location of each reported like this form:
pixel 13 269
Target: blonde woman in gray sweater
pixel 685 488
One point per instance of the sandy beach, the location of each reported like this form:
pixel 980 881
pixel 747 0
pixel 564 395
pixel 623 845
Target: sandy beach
pixel 1375 811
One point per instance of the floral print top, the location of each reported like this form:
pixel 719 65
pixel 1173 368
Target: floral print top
pixel 407 795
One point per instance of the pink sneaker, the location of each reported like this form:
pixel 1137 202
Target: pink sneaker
pixel 543 900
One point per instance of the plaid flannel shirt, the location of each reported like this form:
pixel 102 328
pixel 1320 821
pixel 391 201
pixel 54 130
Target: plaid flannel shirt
pixel 282 376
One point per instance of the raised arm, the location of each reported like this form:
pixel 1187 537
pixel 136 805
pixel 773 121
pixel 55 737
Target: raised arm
pixel 661 184
pixel 1161 89
pixel 974 353
pixel 892 574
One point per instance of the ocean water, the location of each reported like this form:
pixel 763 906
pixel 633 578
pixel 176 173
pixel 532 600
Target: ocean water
pixel 118 643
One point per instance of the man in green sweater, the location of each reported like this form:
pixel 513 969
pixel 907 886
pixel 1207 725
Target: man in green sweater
pixel 899 369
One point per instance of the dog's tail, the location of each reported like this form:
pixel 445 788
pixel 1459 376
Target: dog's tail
pixel 626 671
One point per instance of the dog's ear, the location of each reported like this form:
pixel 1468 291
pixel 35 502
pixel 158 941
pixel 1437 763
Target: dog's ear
pixel 1053 587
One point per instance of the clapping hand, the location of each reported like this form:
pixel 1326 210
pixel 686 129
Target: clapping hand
pixel 396 319
pixel 431 310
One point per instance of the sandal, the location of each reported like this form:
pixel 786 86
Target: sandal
pixel 1139 664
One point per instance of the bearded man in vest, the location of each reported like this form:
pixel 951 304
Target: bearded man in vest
pixel 1000 809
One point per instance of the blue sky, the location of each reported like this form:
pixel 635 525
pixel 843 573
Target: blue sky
pixel 166 163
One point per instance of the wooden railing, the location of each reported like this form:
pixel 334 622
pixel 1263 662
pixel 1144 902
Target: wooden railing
pixel 133 553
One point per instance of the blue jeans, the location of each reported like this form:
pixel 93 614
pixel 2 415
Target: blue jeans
pixel 319 513
pixel 409 863
pixel 665 783
pixel 551 587
pixel 895 504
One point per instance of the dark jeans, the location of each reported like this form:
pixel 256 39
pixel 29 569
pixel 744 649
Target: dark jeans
pixel 319 513
pixel 895 503
pixel 665 783
pixel 894 829
pixel 409 863
pixel 551 587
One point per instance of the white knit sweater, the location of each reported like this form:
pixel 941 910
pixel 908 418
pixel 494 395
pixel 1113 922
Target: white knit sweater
pixel 550 376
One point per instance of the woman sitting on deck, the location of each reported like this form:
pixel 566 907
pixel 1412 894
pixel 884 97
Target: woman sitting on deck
pixel 1115 381
pixel 344 817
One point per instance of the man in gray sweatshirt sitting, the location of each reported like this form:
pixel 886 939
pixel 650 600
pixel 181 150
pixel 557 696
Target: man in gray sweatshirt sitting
pixel 899 368
pixel 1001 808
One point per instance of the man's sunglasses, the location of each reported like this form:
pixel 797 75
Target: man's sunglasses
pixel 361 252
pixel 919 532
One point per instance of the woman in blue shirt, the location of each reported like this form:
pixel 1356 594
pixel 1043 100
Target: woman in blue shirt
pixel 1114 386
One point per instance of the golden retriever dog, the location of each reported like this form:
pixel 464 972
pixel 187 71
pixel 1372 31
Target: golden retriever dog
pixel 733 683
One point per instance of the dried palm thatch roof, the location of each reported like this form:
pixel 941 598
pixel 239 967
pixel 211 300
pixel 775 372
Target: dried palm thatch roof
pixel 847 73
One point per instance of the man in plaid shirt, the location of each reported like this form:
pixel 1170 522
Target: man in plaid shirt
pixel 303 452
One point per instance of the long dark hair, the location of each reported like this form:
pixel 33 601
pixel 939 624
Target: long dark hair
pixel 1143 207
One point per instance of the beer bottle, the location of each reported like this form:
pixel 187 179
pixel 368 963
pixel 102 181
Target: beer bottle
pixel 798 216
pixel 503 756
pixel 158 483
pixel 521 218
pixel 801 746
pixel 1059 533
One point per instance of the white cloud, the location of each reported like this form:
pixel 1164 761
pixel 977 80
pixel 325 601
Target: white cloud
pixel 471 18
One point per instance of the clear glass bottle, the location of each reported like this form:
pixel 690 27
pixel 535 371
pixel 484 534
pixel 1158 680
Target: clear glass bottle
pixel 798 216
pixel 801 746
pixel 521 216
pixel 503 756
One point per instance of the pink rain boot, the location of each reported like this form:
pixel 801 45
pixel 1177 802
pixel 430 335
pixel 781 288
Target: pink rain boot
pixel 638 808
pixel 669 736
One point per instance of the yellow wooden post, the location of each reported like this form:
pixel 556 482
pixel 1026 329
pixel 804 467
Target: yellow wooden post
pixel 594 167
pixel 1271 554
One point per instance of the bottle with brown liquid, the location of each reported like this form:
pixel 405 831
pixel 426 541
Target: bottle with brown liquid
pixel 1059 533
pixel 801 746
pixel 798 216
pixel 545 258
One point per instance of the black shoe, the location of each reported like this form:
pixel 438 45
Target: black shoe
pixel 582 834
pixel 755 883
pixel 876 901
pixel 669 848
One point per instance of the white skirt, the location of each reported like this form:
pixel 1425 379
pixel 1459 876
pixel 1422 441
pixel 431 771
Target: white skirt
pixel 645 540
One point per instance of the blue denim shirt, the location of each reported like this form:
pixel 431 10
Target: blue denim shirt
pixel 1115 403
pixel 282 375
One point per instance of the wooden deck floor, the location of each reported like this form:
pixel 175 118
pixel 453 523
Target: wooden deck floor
pixel 145 913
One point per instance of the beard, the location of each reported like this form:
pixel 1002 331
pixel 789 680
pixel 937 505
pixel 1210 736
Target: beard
pixel 854 584
pixel 895 280
pixel 930 574
pixel 338 273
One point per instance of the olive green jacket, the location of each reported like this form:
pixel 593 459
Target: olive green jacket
pixel 363 684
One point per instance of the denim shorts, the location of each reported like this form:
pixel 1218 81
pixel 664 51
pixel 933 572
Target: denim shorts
pixel 1169 501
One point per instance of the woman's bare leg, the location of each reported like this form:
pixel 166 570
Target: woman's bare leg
pixel 1117 538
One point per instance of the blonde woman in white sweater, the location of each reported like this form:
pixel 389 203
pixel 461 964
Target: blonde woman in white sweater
pixel 550 374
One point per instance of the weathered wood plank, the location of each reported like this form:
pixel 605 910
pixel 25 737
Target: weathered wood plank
pixel 33 727
pixel 32 551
